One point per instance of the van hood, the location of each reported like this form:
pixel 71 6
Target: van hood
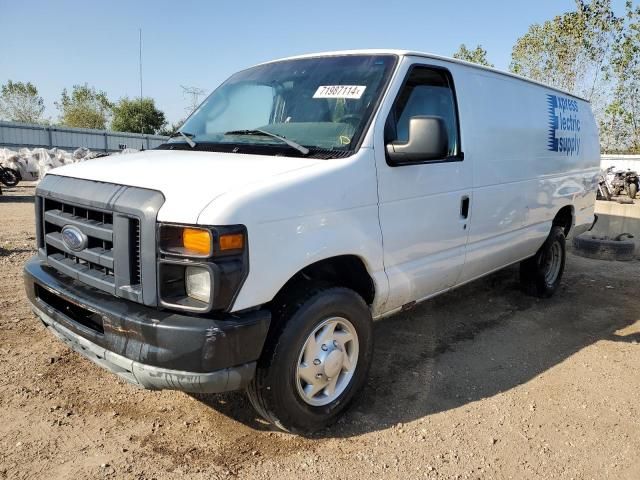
pixel 188 180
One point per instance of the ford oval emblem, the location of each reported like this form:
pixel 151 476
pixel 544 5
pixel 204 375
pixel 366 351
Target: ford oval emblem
pixel 73 238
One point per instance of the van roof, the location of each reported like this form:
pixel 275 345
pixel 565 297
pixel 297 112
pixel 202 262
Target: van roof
pixel 411 53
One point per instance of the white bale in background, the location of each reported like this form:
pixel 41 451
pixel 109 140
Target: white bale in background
pixel 35 163
pixel 130 150
pixel 27 168
pixel 45 162
pixel 61 156
pixel 80 153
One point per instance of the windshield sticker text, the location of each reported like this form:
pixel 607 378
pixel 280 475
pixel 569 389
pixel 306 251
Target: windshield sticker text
pixel 340 91
pixel 564 125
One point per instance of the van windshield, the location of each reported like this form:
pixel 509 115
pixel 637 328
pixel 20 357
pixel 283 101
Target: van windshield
pixel 321 104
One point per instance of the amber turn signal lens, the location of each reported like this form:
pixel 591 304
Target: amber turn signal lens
pixel 197 241
pixel 231 241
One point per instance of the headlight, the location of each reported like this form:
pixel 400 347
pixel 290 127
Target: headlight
pixel 201 269
pixel 197 283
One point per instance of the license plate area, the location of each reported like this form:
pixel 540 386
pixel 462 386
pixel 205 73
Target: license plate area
pixel 74 312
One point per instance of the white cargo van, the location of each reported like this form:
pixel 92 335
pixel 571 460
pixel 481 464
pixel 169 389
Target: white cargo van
pixel 302 200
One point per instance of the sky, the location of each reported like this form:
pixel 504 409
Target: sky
pixel 56 44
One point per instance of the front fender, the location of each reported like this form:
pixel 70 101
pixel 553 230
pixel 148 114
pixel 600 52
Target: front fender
pixel 279 250
pixel 304 216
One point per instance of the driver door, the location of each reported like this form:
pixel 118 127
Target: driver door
pixel 425 204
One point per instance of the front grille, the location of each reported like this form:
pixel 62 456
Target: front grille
pixel 94 265
pixel 136 267
pixel 118 254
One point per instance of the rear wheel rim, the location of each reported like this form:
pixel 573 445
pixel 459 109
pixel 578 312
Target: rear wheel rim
pixel 551 263
pixel 327 361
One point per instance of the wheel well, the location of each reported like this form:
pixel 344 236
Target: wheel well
pixel 564 219
pixel 345 271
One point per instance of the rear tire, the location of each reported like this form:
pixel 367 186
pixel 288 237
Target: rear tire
pixel 298 348
pixel 540 275
pixel 633 190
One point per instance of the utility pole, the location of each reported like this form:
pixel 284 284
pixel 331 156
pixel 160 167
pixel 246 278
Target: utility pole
pixel 140 64
pixel 193 94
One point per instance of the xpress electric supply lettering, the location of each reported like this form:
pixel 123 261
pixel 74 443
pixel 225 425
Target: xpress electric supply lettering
pixel 564 125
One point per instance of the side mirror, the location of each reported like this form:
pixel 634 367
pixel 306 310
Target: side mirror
pixel 428 140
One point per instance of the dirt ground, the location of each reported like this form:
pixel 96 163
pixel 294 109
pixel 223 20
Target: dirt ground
pixel 483 382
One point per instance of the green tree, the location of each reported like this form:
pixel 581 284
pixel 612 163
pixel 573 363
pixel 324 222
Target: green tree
pixel 571 50
pixel 85 107
pixel 477 55
pixel 137 116
pixel 20 102
pixel 168 130
pixel 620 127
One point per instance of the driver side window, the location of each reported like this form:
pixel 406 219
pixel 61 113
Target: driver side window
pixel 427 92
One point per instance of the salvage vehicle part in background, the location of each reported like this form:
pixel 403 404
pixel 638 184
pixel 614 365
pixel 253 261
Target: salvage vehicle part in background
pixel 603 192
pixel 604 248
pixel 614 180
pixel 631 183
pixel 619 182
pixel 9 176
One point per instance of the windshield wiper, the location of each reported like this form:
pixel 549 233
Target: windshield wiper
pixel 186 135
pixel 292 144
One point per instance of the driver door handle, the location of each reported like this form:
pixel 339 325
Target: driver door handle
pixel 464 207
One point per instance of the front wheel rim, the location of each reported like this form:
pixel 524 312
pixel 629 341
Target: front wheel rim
pixel 327 361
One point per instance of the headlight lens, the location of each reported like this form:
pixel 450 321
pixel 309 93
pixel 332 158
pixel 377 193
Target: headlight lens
pixel 197 282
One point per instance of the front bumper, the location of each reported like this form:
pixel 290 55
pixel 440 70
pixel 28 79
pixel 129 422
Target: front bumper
pixel 152 348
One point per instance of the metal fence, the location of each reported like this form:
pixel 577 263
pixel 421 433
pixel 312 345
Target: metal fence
pixel 621 162
pixel 25 135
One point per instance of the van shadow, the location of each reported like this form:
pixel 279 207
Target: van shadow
pixel 425 361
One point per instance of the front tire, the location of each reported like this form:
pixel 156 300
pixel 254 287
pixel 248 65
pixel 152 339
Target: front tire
pixel 633 190
pixel 316 358
pixel 540 275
